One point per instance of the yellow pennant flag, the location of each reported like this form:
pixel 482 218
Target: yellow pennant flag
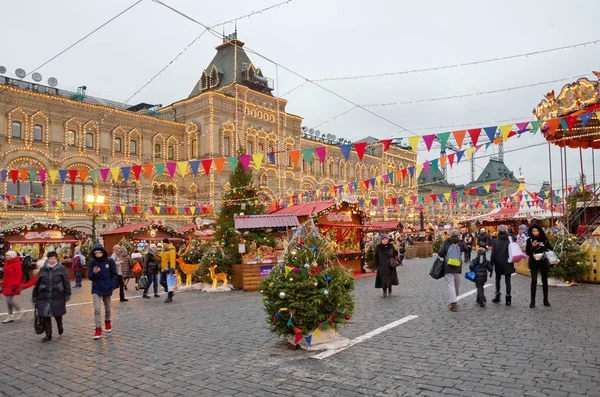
pixel 192 210
pixel 414 142
pixel 418 167
pixel 379 180
pixel 52 174
pixel 123 208
pixel 469 152
pixel 505 130
pixel 59 204
pixel 182 167
pixel 447 196
pixel 316 333
pixel 257 159
pixel 28 200
pixel 288 269
pixel 115 173
pixel 487 188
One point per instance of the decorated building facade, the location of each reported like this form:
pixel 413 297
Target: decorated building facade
pixel 231 110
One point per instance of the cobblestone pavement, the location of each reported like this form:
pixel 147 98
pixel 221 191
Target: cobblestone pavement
pixel 219 345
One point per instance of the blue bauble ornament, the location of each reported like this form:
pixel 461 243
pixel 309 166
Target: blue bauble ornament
pixel 328 278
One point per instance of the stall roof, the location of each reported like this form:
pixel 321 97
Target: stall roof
pixel 126 228
pixel 388 225
pixel 306 209
pixel 186 228
pixel 265 221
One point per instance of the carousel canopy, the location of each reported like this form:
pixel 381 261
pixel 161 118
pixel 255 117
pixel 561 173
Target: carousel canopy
pixel 306 209
pixel 521 205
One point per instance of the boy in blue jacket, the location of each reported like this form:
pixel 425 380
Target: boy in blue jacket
pixel 102 271
pixel 483 266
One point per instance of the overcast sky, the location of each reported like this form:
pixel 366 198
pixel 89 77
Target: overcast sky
pixel 327 38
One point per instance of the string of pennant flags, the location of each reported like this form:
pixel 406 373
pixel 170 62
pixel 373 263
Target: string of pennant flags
pixel 172 168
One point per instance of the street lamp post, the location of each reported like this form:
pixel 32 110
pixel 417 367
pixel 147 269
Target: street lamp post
pixel 94 201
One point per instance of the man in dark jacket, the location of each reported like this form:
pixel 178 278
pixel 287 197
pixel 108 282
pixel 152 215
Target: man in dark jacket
pixel 102 271
pixel 451 250
pixel 483 239
pixel 499 259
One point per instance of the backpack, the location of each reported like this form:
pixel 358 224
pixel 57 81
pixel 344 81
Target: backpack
pixel 137 267
pixel 453 256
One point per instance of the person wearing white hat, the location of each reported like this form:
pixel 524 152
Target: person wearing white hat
pixel 12 285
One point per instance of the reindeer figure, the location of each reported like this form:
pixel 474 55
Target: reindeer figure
pixel 216 277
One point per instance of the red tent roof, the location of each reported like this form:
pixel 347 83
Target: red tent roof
pixel 306 209
pixel 186 228
pixel 127 228
pixel 388 225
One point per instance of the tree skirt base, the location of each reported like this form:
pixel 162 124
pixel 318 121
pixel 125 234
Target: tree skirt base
pixel 326 340
pixel 555 282
pixel 209 288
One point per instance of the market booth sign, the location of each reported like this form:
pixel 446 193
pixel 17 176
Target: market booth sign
pixel 48 234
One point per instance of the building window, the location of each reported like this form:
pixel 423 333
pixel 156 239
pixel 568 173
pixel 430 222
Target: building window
pixel 37 132
pixel 132 147
pixel 71 138
pixel 249 148
pixel 194 148
pixel 171 152
pixel 89 140
pixel 124 193
pixel 35 190
pixel 76 192
pixel 117 145
pixel 261 148
pixel 157 150
pixel 16 130
pixel 226 146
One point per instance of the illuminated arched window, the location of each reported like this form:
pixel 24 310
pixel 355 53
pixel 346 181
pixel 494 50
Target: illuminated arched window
pixel 89 140
pixel 16 130
pixel 37 132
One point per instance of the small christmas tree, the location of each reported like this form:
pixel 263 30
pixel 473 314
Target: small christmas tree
pixel 215 255
pixel 240 197
pixel 195 251
pixel 574 260
pixel 306 294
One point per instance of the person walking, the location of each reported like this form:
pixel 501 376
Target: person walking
pixel 522 237
pixel 152 267
pixel 483 238
pixel 77 266
pixel 119 257
pixel 386 274
pixel 451 250
pixel 12 285
pixel 26 266
pixel 468 245
pixel 502 266
pixel 167 264
pixel 102 272
pixel 137 268
pixel 536 246
pixel 51 293
pixel 481 265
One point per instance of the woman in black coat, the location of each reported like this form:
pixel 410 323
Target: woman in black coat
pixel 51 293
pixel 501 265
pixel 537 245
pixel 386 274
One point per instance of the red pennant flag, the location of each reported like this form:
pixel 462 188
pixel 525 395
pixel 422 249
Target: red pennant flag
pixel 206 165
pixel 14 174
pixel 386 144
pixel 474 134
pixel 571 121
pixel 451 159
pixel 73 175
pixel 360 149
pixel 137 170
pixel 298 338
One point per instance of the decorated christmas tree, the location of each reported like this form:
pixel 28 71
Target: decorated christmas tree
pixel 194 251
pixel 215 255
pixel 241 196
pixel 306 294
pixel 574 260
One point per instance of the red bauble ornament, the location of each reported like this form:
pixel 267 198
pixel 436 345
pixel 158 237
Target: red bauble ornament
pixel 347 317
pixel 301 242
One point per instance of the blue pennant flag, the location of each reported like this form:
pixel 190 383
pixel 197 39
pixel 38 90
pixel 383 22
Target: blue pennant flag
pixel 308 339
pixel 125 171
pixel 63 175
pixel 585 119
pixel 194 164
pixel 491 132
pixel 271 156
pixel 459 156
pixel 346 150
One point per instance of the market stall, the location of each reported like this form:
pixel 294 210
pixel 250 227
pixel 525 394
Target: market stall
pixel 343 223
pixel 204 231
pixel 140 235
pixel 257 261
pixel 37 239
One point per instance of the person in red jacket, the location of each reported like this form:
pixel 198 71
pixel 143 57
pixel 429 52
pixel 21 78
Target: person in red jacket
pixel 12 285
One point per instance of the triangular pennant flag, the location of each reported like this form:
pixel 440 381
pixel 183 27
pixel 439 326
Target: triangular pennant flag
pixel 346 150
pixel 160 169
pixel 23 174
pixel 491 132
pixel 308 155
pixel 535 125
pixel 114 171
pixel 137 170
pixel 194 165
pixel 474 134
pixel 245 160
pixel 219 164
pixel 308 339
pixel 414 142
pixel 435 164
pixel 271 156
pixel 321 153
pixel 428 139
pixel 585 119
pixel 126 171
pixel 426 166
pixel 3 175
pixel 42 174
pixel 571 121
pixel 232 162
pixel 521 127
pixel 182 167
pixel 148 170
pixel 386 144
pixel 505 130
pixel 553 125
pixel 451 159
pixel 32 174
pixel 294 156
pixel 443 161
pixel 63 175
pixel 257 159
pixel 53 174
pixel 83 174
pixel 206 164
pixel 459 136
pixel 443 138
pixel 360 149
pixel 171 167
pixel 459 156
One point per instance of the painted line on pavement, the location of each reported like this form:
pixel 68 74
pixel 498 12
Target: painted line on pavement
pixel 364 337
pixel 79 304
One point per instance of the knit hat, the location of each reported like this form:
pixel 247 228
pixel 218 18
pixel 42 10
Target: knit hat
pixel 523 227
pixel 382 236
pixel 52 254
pixel 10 255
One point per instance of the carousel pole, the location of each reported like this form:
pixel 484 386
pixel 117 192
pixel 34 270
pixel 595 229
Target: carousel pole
pixel 593 170
pixel 582 184
pixel 551 189
pixel 562 182
pixel 566 185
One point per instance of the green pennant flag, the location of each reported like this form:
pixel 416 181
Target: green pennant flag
pixel 487 145
pixel 391 177
pixel 160 168
pixel 435 164
pixel 443 138
pixel 461 193
pixel 232 161
pixel 289 322
pixel 308 155
pixel 564 125
pixel 32 175
pixel 93 175
pixel 535 126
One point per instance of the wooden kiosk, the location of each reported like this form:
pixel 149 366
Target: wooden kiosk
pixel 141 234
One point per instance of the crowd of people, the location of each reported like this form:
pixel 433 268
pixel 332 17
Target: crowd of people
pixel 52 286
pixel 456 250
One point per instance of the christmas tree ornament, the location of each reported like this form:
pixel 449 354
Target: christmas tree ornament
pixel 271 285
pixel 328 278
pixel 291 279
pixel 325 292
pixel 347 317
pixel 315 284
pixel 282 295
